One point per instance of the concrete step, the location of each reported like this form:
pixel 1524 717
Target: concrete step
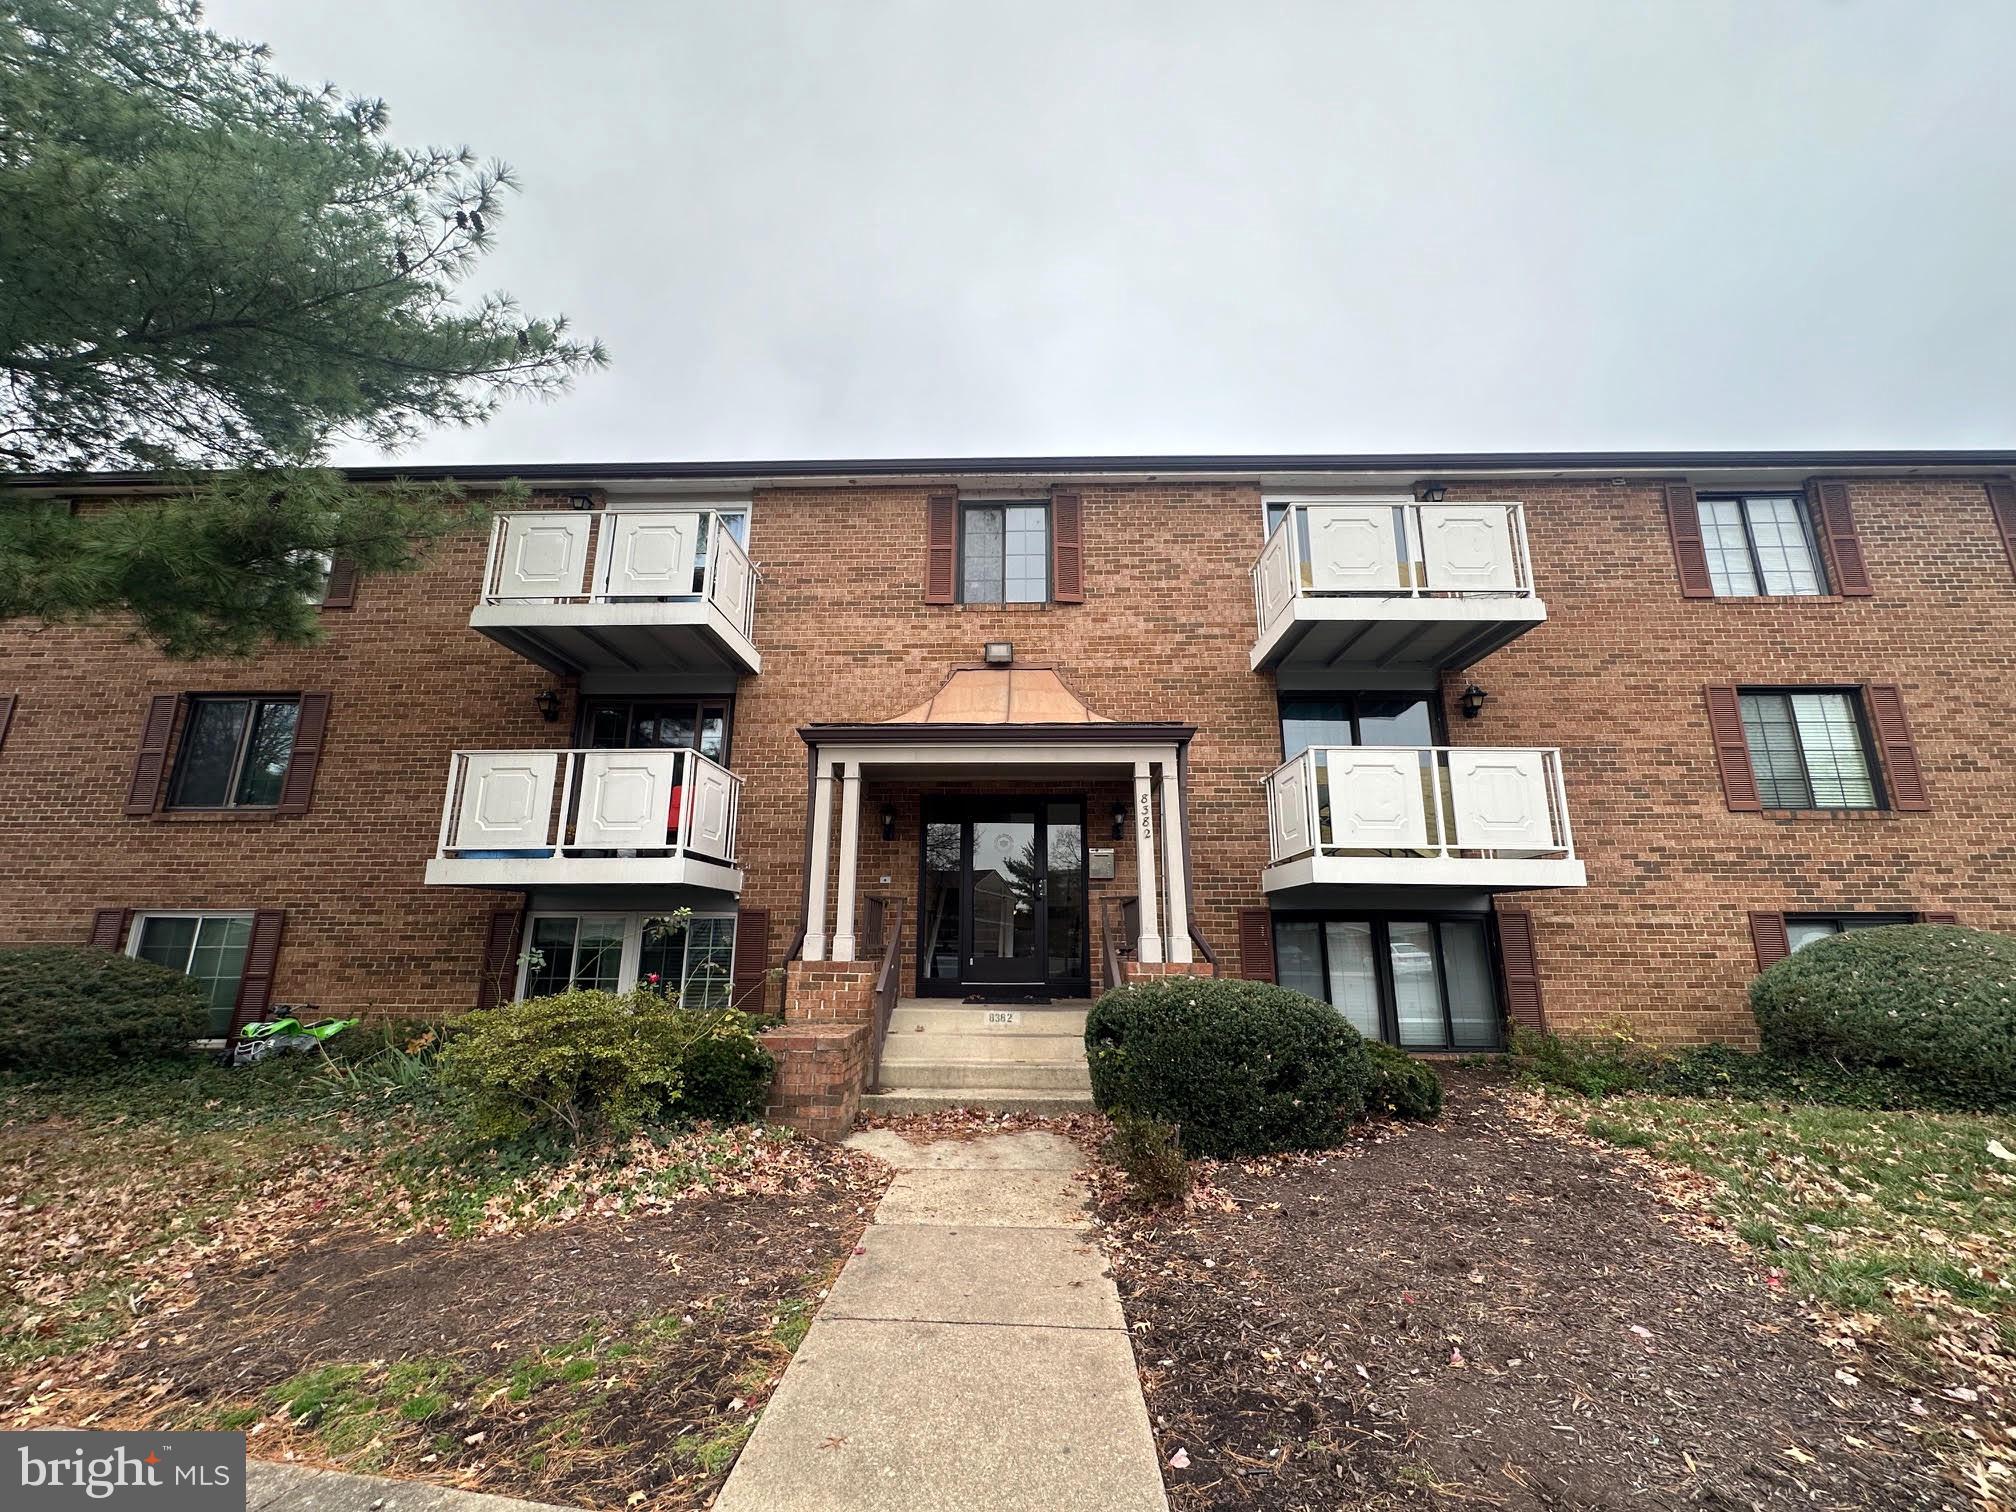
pixel 986 1099
pixel 1030 1076
pixel 971 1018
pixel 1041 1049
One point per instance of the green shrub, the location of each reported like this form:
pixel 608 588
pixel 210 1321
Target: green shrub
pixel 1724 1071
pixel 69 1010
pixel 1401 1086
pixel 727 1073
pixel 1240 1068
pixel 1934 1003
pixel 1151 1153
pixel 1595 1066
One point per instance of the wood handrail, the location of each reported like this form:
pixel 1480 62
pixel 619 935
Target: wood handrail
pixel 888 914
pixel 1114 952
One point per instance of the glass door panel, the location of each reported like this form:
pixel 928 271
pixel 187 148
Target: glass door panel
pixel 1064 894
pixel 1466 969
pixel 1006 899
pixel 938 928
pixel 1354 975
pixel 1417 986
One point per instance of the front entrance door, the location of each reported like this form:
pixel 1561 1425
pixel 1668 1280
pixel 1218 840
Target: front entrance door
pixel 1004 904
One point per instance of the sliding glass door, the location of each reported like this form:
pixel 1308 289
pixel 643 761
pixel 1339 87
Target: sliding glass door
pixel 1423 983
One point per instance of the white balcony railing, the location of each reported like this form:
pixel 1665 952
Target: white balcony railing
pixel 1426 802
pixel 534 805
pixel 1339 549
pixel 645 556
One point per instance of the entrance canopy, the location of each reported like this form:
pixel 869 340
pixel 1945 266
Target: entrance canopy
pixel 994 722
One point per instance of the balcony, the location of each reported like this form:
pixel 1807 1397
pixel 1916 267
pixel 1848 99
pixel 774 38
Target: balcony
pixel 1380 584
pixel 1466 817
pixel 656 818
pixel 620 591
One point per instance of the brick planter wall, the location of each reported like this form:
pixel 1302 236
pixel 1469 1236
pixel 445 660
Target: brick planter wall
pixel 821 1069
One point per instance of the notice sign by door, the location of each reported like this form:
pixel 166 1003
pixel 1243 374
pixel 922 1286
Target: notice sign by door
pixel 1002 1018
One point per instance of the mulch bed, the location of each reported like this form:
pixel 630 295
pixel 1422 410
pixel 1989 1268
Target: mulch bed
pixel 1479 1314
pixel 724 1266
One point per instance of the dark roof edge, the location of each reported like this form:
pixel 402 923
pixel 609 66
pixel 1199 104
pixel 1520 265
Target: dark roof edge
pixel 1425 463
pixel 1094 733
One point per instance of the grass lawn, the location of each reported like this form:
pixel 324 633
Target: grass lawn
pixel 1902 1224
pixel 315 1255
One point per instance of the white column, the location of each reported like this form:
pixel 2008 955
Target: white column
pixel 850 855
pixel 822 858
pixel 1150 950
pixel 1172 861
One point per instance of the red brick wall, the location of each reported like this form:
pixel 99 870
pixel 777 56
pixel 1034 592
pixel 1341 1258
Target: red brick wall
pixel 1614 678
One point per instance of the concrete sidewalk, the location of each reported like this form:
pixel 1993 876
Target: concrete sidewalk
pixel 973 1356
pixel 273 1487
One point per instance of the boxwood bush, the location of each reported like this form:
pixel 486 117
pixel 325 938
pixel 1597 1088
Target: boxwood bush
pixel 71 1010
pixel 588 1063
pixel 1401 1085
pixel 1933 1002
pixel 1241 1068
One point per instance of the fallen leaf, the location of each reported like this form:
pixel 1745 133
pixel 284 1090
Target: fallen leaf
pixel 1180 1460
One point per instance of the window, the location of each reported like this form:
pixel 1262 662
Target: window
pixel 1809 750
pixel 1423 984
pixel 209 947
pixel 633 724
pixel 615 952
pixel 1004 553
pixel 1760 544
pixel 234 752
pixel 1343 719
pixel 1804 929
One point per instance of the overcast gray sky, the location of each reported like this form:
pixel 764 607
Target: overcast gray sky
pixel 866 228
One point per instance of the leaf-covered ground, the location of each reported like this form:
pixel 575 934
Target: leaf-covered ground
pixel 1500 1310
pixel 322 1261
pixel 1901 1226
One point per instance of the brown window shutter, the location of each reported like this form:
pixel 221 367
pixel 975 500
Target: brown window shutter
pixel 1938 917
pixel 6 715
pixel 1256 944
pixel 1683 524
pixel 262 954
pixel 342 590
pixel 941 548
pixel 298 786
pixel 1521 964
pixel 1067 548
pixel 1900 757
pixel 751 992
pixel 1767 933
pixel 498 982
pixel 2002 504
pixel 150 763
pixel 108 927
pixel 1836 521
pixel 1732 750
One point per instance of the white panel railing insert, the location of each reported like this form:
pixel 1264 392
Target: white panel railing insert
pixel 1339 549
pixel 507 805
pixel 551 556
pixel 1463 802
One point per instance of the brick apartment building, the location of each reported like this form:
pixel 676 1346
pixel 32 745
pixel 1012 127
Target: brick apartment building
pixel 1447 741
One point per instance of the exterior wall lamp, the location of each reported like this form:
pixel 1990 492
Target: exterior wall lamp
pixel 580 501
pixel 888 821
pixel 1119 821
pixel 998 653
pixel 1473 701
pixel 1434 493
pixel 548 704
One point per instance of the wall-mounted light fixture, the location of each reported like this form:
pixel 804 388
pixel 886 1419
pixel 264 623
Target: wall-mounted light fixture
pixel 998 653
pixel 888 821
pixel 580 501
pixel 1119 821
pixel 1433 493
pixel 548 704
pixel 1473 701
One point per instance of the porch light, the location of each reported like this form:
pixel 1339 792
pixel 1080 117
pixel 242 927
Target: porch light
pixel 1119 821
pixel 1473 701
pixel 1434 493
pixel 548 704
pixel 580 501
pixel 998 653
pixel 888 821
